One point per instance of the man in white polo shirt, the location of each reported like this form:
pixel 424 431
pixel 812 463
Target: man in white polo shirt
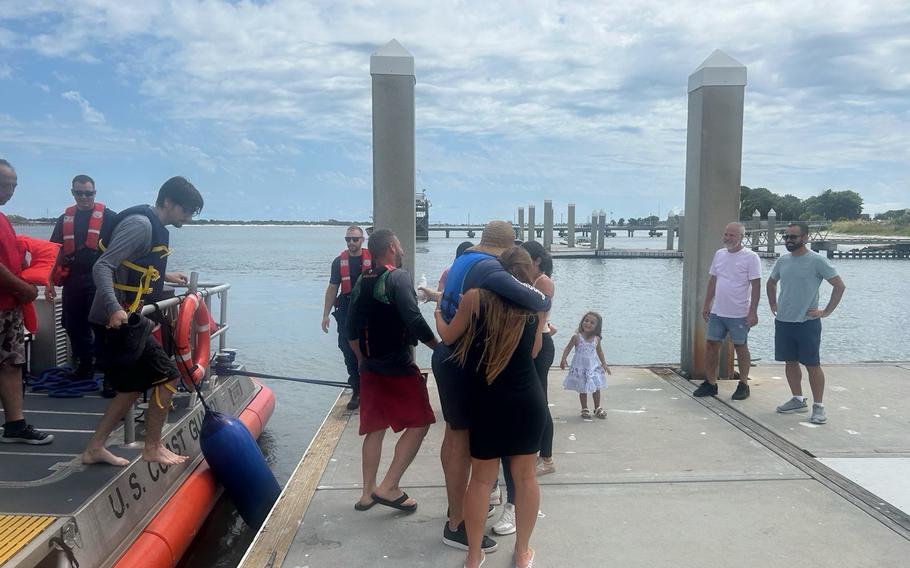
pixel 731 307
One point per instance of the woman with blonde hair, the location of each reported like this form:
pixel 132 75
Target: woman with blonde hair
pixel 496 342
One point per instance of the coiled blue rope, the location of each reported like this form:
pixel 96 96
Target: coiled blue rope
pixel 61 382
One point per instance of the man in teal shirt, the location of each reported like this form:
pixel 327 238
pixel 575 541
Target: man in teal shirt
pixel 797 324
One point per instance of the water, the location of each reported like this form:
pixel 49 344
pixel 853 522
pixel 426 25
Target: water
pixel 279 275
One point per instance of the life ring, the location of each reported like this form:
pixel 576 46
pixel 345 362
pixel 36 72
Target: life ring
pixel 193 360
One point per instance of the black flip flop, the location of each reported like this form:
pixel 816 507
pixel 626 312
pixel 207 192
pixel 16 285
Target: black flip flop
pixel 358 506
pixel 397 503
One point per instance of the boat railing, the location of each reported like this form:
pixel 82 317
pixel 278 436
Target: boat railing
pixel 169 307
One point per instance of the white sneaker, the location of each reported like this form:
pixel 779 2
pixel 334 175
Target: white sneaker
pixel 506 523
pixel 496 496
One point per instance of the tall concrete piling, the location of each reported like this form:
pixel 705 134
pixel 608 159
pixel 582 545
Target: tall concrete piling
pixel 521 223
pixel 680 225
pixel 532 229
pixel 755 233
pixel 394 173
pixel 570 226
pixel 601 229
pixel 547 224
pixel 594 230
pixel 772 230
pixel 713 176
pixel 671 228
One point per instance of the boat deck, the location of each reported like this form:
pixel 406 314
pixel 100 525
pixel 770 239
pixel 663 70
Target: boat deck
pixel 51 480
pixel 666 480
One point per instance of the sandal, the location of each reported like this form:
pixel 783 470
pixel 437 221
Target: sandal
pixel 600 413
pixel 585 413
pixel 396 503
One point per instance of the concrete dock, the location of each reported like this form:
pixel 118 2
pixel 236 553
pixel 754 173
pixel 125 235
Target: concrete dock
pixel 666 480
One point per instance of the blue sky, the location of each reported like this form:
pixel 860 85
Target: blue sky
pixel 265 106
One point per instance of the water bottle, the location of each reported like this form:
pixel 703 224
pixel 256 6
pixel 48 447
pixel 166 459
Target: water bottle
pixel 421 295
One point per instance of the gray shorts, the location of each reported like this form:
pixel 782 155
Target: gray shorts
pixel 12 337
pixel 719 327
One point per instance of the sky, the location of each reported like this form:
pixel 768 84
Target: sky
pixel 266 106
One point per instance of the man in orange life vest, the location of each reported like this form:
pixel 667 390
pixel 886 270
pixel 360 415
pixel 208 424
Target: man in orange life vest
pixel 346 269
pixel 14 291
pixel 79 230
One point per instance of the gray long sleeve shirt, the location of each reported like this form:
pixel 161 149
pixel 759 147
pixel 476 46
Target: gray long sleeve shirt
pixel 131 239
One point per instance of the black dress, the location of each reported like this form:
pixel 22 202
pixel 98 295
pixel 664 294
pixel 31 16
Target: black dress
pixel 507 416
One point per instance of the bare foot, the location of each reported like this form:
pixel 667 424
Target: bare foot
pixel 102 455
pixel 160 454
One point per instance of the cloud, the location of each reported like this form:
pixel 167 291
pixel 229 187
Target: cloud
pixel 89 114
pixel 586 100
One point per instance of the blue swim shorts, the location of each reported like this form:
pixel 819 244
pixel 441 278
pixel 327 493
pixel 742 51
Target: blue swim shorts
pixel 798 341
pixel 719 327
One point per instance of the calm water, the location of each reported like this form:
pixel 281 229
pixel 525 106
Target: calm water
pixel 279 275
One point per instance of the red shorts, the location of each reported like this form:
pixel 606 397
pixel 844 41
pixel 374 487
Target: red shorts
pixel 393 401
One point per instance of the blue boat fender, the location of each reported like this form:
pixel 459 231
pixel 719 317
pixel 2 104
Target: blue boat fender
pixel 238 464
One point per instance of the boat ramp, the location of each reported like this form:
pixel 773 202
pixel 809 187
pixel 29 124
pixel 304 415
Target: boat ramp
pixel 666 480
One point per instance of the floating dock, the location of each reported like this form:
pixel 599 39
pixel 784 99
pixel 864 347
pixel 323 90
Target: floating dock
pixel 587 252
pixel 666 480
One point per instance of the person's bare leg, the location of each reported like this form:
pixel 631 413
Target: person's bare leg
pixel 95 452
pixel 583 399
pixel 596 397
pixel 476 504
pixel 712 353
pixel 527 504
pixel 744 358
pixel 405 452
pixel 370 456
pixel 154 450
pixel 456 467
pixel 794 377
pixel 816 382
pixel 11 392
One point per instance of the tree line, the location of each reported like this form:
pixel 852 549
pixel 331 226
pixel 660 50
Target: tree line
pixel 830 205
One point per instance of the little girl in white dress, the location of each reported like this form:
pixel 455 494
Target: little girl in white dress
pixel 588 372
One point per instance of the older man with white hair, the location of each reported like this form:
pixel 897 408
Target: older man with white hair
pixel 731 307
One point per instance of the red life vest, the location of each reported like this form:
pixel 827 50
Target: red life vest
pixel 39 258
pixel 11 258
pixel 346 284
pixel 94 229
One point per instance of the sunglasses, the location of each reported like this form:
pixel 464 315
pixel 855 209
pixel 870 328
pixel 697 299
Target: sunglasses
pixel 352 239
pixel 792 237
pixel 83 193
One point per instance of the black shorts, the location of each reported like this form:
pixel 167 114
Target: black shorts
pixel 153 367
pixel 798 341
pixel 452 384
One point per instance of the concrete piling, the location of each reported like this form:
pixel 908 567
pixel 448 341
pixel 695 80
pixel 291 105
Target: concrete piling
pixel 570 232
pixel 547 224
pixel 713 176
pixel 394 173
pixel 601 229
pixel 671 228
pixel 521 223
pixel 532 229
pixel 772 230
pixel 680 225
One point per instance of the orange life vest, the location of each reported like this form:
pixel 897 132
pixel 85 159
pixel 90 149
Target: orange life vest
pixel 91 236
pixel 346 284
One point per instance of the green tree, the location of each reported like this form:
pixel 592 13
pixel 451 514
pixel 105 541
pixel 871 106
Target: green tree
pixel 834 205
pixel 622 221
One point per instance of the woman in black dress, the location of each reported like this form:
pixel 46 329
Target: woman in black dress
pixel 497 342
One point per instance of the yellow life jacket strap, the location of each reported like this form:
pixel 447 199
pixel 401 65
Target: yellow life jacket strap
pixel 169 387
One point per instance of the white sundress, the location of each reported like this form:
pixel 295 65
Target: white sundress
pixel 585 375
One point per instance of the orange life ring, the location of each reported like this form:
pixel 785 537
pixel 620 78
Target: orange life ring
pixel 193 360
